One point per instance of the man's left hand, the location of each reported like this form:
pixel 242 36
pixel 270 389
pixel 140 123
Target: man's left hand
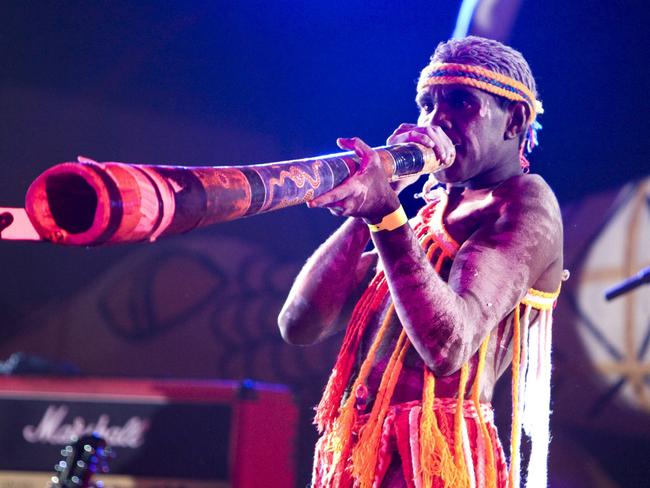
pixel 367 193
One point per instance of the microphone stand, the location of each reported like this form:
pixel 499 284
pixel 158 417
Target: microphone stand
pixel 641 278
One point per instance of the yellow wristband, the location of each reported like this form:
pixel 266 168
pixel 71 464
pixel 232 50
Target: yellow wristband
pixel 392 221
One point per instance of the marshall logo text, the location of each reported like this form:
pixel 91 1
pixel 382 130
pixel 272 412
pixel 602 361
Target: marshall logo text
pixel 52 430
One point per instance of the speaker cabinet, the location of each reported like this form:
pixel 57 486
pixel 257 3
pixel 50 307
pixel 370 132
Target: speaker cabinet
pixel 165 434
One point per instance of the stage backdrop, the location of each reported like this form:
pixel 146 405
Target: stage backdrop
pixel 601 385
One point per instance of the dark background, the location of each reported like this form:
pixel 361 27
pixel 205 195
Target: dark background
pixel 307 72
pixel 209 82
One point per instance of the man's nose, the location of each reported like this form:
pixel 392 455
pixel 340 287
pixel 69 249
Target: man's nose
pixel 436 117
pixel 439 117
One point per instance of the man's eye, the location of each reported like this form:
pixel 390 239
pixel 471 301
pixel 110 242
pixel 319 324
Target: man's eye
pixel 426 107
pixel 459 102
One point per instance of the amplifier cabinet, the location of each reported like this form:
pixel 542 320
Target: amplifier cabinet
pixel 165 434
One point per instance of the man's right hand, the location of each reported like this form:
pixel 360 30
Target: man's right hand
pixel 430 136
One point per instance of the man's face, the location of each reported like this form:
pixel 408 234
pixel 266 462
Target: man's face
pixel 476 124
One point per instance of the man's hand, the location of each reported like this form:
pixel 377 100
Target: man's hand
pixel 367 193
pixel 430 136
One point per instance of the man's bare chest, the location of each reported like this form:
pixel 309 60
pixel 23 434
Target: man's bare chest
pixel 465 213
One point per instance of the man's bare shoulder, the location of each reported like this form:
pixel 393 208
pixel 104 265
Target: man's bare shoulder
pixel 528 190
pixel 531 203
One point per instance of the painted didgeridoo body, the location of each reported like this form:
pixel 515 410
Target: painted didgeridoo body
pixel 89 203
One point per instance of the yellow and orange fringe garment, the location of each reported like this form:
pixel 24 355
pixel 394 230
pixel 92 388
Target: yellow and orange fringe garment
pixel 531 366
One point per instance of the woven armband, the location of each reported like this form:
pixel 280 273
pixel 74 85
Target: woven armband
pixel 392 221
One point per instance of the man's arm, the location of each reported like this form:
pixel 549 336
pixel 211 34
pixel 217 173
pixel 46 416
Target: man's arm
pixel 319 303
pixel 324 293
pixel 519 249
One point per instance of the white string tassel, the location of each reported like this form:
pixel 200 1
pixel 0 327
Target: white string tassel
pixel 515 457
pixel 537 404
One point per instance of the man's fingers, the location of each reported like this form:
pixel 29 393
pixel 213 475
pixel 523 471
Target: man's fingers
pixel 354 144
pixel 332 197
pixel 344 143
pixel 404 127
pixel 431 136
pixel 438 147
pixel 418 136
pixel 350 197
pixel 445 149
pixel 366 154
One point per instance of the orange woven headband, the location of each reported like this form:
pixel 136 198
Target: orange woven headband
pixel 483 79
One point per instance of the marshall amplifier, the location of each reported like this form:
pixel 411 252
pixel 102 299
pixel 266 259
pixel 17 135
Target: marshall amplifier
pixel 164 434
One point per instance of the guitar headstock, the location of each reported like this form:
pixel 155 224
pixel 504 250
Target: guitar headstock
pixel 81 460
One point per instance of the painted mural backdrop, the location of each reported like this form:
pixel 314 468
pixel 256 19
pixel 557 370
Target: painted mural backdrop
pixel 202 307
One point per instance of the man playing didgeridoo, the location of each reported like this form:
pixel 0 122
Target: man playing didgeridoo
pixel 446 301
